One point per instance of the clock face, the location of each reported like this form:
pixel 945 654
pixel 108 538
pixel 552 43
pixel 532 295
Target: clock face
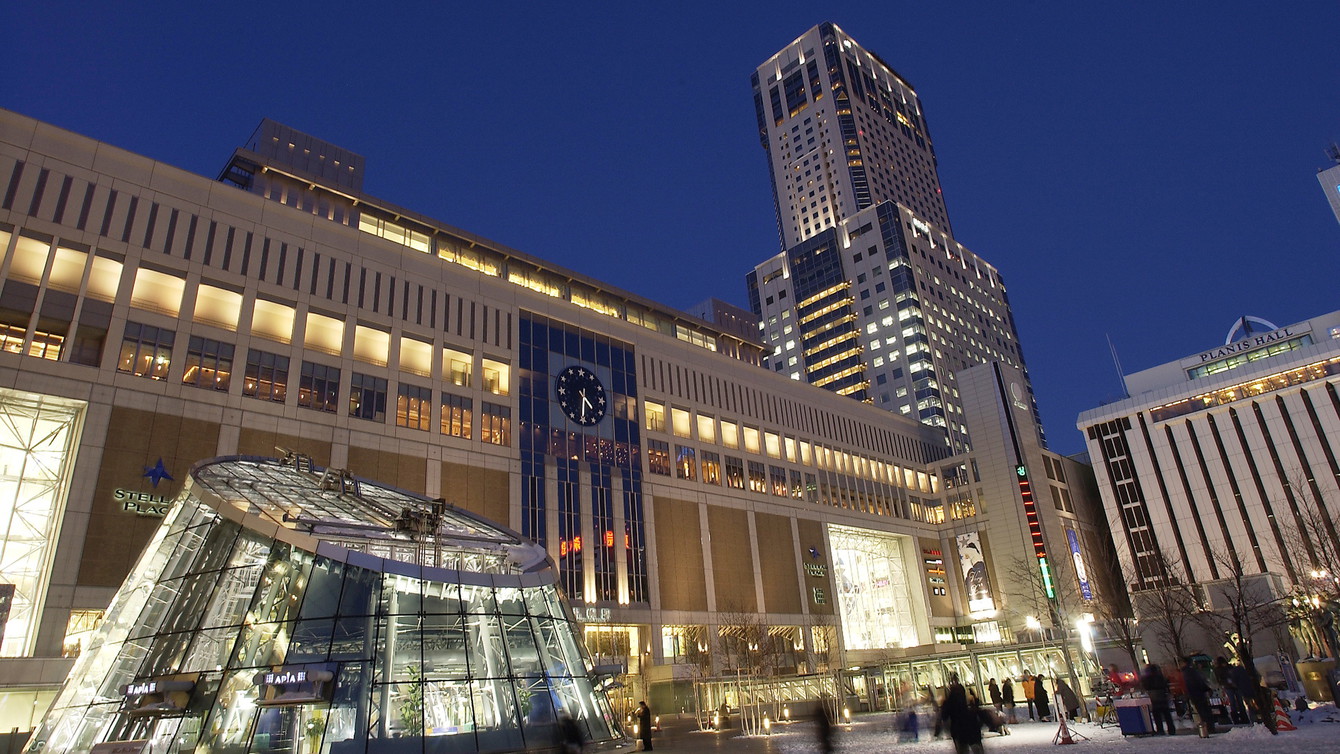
pixel 580 395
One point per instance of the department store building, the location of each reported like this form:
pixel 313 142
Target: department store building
pixel 704 514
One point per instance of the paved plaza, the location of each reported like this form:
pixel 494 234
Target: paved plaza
pixel 873 733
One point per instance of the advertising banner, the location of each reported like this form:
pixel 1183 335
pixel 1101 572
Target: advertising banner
pixel 1083 573
pixel 976 582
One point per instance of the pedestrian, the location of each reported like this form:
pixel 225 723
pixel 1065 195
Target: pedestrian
pixel 997 700
pixel 1198 693
pixel 1228 689
pixel 644 725
pixel 1029 687
pixel 1245 690
pixel 1066 698
pixel 1040 698
pixel 569 735
pixel 1156 686
pixel 960 719
pixel 1007 696
pixel 824 726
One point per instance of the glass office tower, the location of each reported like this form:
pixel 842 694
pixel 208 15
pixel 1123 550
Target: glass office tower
pixel 286 608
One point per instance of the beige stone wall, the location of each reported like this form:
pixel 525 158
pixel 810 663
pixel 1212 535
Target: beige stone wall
pixel 777 559
pixel 136 439
pixel 679 550
pixel 732 559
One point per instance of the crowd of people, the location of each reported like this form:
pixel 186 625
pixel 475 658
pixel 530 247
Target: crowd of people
pixel 1184 692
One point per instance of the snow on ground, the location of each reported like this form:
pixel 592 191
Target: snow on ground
pixel 1318 733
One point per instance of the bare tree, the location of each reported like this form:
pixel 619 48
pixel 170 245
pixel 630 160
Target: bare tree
pixel 1243 605
pixel 1112 611
pixel 1169 609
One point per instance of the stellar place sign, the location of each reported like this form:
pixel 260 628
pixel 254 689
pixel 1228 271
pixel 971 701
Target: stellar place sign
pixel 142 503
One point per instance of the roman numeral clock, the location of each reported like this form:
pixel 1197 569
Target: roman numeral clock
pixel 580 395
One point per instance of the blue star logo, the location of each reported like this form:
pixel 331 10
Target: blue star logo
pixel 157 473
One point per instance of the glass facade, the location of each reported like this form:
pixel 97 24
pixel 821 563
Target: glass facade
pixel 598 467
pixel 38 437
pixel 285 608
pixel 874 589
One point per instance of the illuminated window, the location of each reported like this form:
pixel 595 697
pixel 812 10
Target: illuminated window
pixel 157 291
pixel 367 397
pixel 319 387
pixel 758 480
pixel 67 270
pixel 495 424
pixel 414 407
pixel 751 439
pixel 79 630
pixel 372 345
pixel 658 457
pixel 456 367
pixel 326 334
pixel 456 411
pixel 266 377
pixel 497 376
pixel 707 428
pixel 11 337
pixel 686 464
pixel 655 416
pixel 105 279
pixel 680 422
pixel 734 473
pixel 711 467
pixel 272 320
pixel 29 260
pixel 217 306
pixel 772 444
pixel 416 356
pixel 730 434
pixel 146 351
pixel 777 481
pixel 209 364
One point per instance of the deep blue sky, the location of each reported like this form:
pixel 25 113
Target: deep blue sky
pixel 1140 170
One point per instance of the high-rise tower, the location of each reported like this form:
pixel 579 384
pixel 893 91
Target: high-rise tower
pixel 843 131
pixel 871 297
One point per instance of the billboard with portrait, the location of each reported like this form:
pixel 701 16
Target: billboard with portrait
pixel 976 581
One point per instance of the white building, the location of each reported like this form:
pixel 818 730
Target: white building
pixel 1219 457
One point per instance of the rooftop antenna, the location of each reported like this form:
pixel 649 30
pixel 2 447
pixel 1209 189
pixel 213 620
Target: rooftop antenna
pixel 1333 152
pixel 1116 362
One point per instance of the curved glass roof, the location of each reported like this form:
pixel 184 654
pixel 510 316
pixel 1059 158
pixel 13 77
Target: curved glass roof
pixel 331 505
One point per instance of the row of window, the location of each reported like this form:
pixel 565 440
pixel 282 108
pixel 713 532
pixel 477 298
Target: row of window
pixel 146 351
pixel 733 435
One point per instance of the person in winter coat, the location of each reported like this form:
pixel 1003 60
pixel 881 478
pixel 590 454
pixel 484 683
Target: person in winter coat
pixel 993 691
pixel 1066 699
pixel 1007 697
pixel 1228 689
pixel 644 720
pixel 1029 687
pixel 961 719
pixel 1198 693
pixel 1041 699
pixel 1156 686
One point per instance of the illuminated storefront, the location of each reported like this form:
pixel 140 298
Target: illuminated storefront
pixel 874 589
pixel 38 435
pixel 285 608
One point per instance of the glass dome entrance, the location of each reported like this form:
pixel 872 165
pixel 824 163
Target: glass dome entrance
pixel 286 608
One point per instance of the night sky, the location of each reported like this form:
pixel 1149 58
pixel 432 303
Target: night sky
pixel 1144 171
